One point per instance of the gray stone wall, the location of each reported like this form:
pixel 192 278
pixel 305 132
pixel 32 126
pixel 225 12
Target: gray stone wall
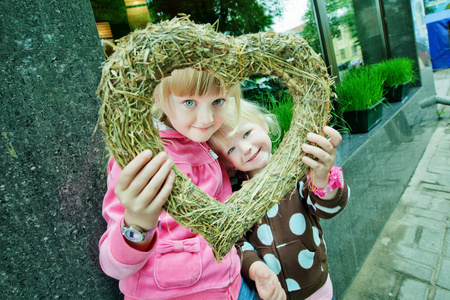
pixel 52 166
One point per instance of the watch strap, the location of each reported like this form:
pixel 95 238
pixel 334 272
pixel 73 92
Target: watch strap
pixel 145 235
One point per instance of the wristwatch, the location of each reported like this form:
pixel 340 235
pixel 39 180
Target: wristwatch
pixel 336 180
pixel 136 234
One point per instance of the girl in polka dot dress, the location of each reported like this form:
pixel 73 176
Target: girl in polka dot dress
pixel 287 246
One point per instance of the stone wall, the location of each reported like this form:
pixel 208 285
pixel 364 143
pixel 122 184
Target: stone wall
pixel 52 166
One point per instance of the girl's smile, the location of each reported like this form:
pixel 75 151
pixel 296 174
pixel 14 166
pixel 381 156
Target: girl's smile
pixel 254 156
pixel 249 149
pixel 203 129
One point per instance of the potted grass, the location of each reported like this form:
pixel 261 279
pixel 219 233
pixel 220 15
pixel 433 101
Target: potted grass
pixel 360 98
pixel 399 74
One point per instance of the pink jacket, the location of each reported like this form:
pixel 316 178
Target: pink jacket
pixel 180 263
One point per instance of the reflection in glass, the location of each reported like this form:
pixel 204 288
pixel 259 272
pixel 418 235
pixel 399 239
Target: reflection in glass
pixel 114 12
pixel 104 31
pixel 309 31
pixel 137 13
pixel 344 35
pixel 421 33
pixel 369 16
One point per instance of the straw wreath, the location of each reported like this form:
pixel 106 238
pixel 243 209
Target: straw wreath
pixel 145 56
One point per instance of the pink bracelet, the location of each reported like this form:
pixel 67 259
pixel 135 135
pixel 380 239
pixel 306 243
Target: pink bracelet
pixel 336 180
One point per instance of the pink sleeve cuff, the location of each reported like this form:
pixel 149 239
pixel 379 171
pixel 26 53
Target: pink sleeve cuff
pixel 336 180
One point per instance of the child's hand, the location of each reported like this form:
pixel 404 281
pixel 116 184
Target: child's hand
pixel 267 283
pixel 143 187
pixel 325 153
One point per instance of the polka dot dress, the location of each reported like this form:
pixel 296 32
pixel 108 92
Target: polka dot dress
pixel 289 240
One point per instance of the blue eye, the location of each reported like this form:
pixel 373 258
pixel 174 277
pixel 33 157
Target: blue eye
pixel 189 103
pixel 247 134
pixel 231 150
pixel 218 101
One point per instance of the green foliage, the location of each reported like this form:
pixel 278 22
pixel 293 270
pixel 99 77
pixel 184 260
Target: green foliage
pixel 348 20
pixel 234 17
pixel 429 9
pixel 283 111
pixel 360 89
pixel 396 71
pixel 280 104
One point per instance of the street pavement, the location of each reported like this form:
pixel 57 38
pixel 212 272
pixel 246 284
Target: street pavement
pixel 411 257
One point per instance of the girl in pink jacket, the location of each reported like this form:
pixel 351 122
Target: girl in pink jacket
pixel 143 247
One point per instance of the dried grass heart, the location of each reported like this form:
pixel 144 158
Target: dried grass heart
pixel 142 58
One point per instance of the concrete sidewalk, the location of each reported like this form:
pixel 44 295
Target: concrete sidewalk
pixel 411 257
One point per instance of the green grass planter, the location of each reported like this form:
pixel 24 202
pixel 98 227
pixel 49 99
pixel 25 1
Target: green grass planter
pixel 361 121
pixel 398 74
pixel 359 96
pixel 397 93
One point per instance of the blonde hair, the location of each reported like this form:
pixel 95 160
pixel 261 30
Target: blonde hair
pixel 250 113
pixel 194 83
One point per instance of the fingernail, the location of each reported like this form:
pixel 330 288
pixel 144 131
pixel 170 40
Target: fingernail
pixel 147 152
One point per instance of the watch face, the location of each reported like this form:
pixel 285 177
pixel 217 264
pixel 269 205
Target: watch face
pixel 132 234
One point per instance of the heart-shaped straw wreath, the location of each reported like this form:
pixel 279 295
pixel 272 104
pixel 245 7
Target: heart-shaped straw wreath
pixel 145 56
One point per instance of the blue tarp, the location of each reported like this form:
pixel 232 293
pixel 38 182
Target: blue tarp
pixel 438 37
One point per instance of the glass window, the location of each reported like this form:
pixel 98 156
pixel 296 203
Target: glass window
pixel 112 13
pixel 342 52
pixel 421 32
pixel 339 34
pixel 310 28
pixel 355 50
pixel 343 33
pixel 137 13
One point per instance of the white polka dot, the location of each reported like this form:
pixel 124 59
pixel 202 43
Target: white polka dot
pixel 300 188
pixel 247 246
pixel 297 224
pixel 310 202
pixel 306 259
pixel 328 210
pixel 273 211
pixel 316 235
pixel 273 263
pixel 265 234
pixel 292 285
